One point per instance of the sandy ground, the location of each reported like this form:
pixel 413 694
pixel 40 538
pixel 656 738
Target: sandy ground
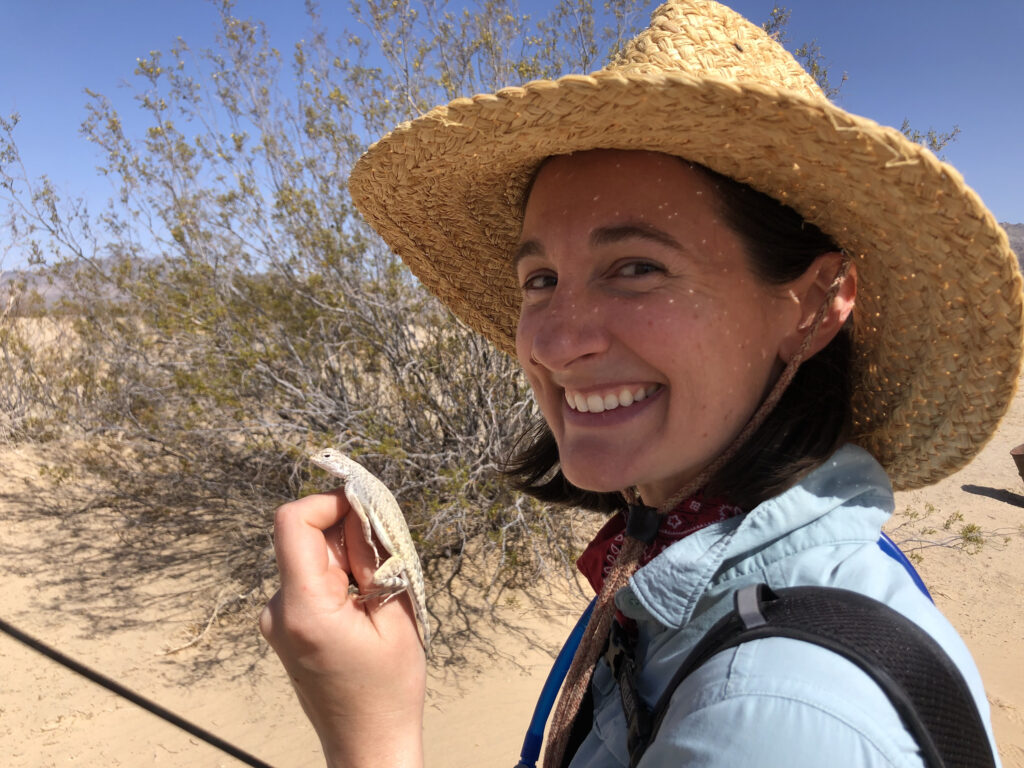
pixel 476 715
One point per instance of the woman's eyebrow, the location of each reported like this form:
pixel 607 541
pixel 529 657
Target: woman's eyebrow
pixel 633 231
pixel 524 249
pixel 607 236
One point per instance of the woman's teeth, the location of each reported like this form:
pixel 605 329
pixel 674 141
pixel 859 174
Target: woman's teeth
pixel 595 403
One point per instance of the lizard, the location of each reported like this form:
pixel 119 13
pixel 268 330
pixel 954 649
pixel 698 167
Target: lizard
pixel 379 514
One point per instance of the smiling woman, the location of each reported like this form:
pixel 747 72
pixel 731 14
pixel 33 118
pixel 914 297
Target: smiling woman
pixel 633 281
pixel 737 260
pixel 745 315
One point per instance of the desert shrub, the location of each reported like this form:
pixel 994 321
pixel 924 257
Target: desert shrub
pixel 228 311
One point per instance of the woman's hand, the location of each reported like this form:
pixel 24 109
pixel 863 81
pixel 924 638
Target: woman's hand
pixel 357 667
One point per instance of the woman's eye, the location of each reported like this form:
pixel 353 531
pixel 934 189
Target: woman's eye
pixel 539 282
pixel 638 268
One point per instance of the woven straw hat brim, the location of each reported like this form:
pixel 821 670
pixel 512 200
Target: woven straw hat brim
pixel 939 313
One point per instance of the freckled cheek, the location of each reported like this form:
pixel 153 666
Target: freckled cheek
pixel 536 382
pixel 523 343
pixel 539 384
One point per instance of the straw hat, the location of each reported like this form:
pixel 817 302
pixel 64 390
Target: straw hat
pixel 938 320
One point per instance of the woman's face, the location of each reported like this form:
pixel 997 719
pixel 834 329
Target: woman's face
pixel 646 338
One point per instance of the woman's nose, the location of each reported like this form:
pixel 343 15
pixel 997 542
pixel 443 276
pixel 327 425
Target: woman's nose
pixel 565 330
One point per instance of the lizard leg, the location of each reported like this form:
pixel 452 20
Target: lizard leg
pixel 389 580
pixel 357 506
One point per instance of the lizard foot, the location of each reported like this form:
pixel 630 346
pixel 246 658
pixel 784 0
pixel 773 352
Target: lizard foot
pixel 384 595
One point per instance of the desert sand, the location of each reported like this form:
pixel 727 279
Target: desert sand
pixel 477 713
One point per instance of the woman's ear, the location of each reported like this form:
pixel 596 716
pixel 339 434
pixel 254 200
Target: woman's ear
pixel 809 291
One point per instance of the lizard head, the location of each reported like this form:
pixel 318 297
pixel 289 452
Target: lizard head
pixel 335 462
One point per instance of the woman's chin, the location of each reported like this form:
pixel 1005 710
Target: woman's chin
pixel 595 480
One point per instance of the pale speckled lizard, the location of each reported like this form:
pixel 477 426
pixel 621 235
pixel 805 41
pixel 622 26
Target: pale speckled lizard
pixel 380 514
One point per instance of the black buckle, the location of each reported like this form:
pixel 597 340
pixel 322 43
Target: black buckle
pixel 642 522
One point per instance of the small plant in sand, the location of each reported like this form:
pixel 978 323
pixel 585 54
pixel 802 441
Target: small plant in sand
pixel 916 530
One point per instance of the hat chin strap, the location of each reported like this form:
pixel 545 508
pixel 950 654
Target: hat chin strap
pixel 767 405
pixel 592 644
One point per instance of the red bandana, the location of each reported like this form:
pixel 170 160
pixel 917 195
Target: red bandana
pixel 689 515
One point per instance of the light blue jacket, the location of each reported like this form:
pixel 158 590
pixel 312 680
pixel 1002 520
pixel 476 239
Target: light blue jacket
pixel 773 702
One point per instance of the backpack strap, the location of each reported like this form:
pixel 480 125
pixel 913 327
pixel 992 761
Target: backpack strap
pixel 535 733
pixel 910 667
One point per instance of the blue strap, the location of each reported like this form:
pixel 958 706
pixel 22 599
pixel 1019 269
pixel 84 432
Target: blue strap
pixel 889 547
pixel 535 733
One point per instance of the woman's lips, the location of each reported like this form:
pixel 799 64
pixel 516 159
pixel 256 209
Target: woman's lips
pixel 608 400
pixel 618 415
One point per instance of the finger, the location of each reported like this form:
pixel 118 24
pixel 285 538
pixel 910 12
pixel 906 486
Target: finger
pixel 362 563
pixel 337 556
pixel 299 530
pixel 266 620
pixel 389 613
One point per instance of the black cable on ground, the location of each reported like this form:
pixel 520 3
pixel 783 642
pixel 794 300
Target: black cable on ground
pixel 114 687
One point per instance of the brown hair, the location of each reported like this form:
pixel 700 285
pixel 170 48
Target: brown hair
pixel 811 420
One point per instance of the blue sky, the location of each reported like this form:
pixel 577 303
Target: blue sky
pixel 936 62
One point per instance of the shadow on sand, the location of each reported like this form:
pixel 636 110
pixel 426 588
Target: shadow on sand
pixel 999 494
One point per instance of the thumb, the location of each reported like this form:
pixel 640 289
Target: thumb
pixel 364 552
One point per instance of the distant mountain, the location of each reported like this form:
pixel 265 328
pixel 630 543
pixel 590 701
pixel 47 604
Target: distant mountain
pixel 1016 233
pixel 50 285
pixel 34 281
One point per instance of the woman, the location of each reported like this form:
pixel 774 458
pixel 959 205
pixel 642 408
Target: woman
pixel 750 370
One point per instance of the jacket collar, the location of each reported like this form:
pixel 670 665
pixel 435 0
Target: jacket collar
pixel 847 498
